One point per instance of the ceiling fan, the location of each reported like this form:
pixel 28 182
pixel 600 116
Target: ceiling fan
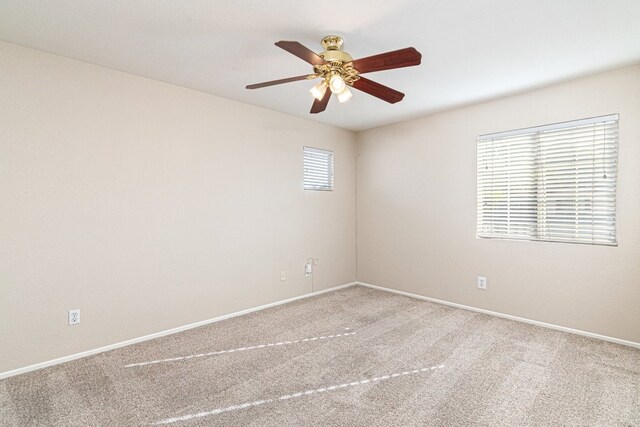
pixel 337 71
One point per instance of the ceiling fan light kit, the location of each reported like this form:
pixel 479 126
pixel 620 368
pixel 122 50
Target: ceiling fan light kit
pixel 338 70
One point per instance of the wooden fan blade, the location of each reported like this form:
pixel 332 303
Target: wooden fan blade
pixel 379 91
pixel 278 82
pixel 320 106
pixel 407 57
pixel 301 52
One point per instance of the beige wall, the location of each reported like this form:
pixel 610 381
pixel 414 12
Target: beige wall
pixel 150 206
pixel 416 211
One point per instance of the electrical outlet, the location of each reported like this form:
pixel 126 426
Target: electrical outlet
pixel 482 282
pixel 308 267
pixel 74 317
pixel 283 276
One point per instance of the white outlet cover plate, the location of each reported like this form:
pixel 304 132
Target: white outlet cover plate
pixel 482 282
pixel 74 317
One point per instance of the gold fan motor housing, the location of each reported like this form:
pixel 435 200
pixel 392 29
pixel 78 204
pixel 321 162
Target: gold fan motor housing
pixel 333 50
pixel 338 62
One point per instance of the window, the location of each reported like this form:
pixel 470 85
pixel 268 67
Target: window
pixel 318 169
pixel 553 183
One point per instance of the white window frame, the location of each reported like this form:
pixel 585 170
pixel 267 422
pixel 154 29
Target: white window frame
pixel 525 176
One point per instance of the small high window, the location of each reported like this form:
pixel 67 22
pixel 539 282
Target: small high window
pixel 318 169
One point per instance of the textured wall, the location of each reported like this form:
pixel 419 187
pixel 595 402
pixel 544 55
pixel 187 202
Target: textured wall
pixel 150 206
pixel 416 213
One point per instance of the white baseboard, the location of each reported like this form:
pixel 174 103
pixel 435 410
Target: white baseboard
pixel 506 316
pixel 71 357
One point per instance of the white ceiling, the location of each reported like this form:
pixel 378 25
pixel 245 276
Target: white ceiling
pixel 472 50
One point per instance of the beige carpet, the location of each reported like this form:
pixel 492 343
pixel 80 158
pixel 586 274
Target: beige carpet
pixel 355 357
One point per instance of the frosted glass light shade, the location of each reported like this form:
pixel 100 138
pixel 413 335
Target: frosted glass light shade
pixel 319 90
pixel 336 84
pixel 345 95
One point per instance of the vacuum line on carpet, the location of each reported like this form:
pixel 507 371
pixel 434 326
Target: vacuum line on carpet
pixel 254 347
pixel 293 396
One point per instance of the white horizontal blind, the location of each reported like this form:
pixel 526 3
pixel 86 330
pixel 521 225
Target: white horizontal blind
pixel 318 169
pixel 552 183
